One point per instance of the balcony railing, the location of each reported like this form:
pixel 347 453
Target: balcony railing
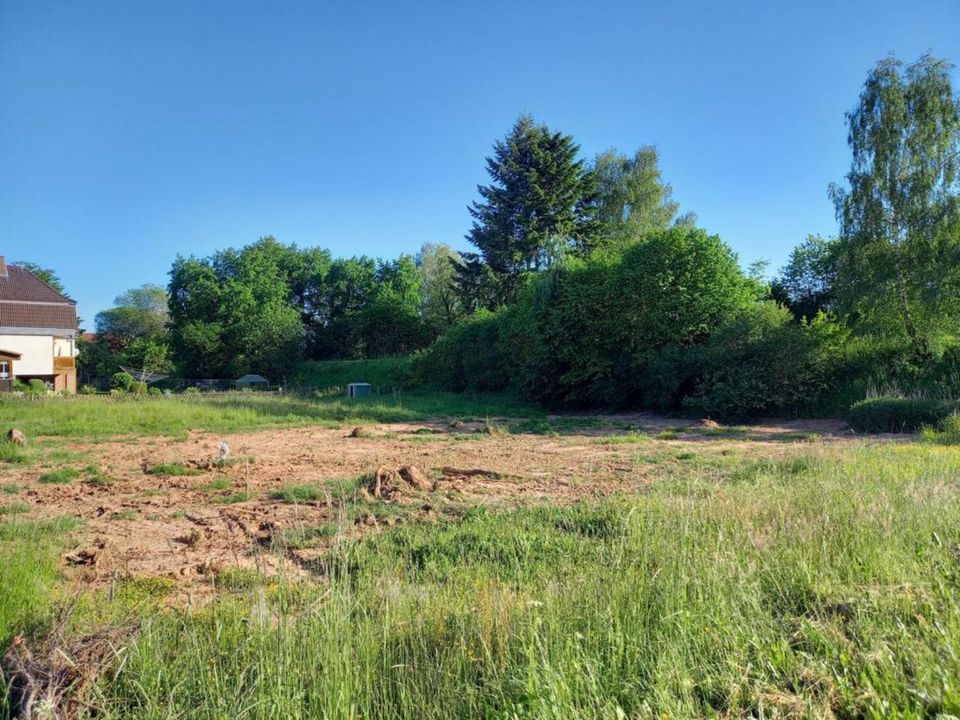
pixel 64 363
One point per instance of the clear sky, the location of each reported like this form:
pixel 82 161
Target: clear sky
pixel 132 130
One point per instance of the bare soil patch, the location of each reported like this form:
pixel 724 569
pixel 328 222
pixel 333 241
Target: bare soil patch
pixel 175 509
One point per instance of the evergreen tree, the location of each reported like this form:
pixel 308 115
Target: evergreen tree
pixel 538 208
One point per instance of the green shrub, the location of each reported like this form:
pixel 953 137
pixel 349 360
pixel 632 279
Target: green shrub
pixel 899 414
pixel 37 387
pixel 87 390
pixel 192 390
pixel 467 358
pixel 762 362
pixel 122 381
pixel 155 391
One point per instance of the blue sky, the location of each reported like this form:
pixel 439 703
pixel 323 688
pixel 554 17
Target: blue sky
pixel 131 131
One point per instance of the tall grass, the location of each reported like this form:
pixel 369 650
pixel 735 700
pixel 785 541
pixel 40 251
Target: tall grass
pixel 817 586
pixel 29 563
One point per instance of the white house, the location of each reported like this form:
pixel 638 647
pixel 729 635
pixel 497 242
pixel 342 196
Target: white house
pixel 38 331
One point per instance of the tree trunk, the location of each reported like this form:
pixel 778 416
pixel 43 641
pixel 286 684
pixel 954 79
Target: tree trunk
pixel 920 345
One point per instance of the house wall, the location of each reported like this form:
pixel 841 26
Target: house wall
pixel 36 351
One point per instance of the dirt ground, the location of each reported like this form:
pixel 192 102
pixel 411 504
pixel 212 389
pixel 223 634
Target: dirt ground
pixel 192 527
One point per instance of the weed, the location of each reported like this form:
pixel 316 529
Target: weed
pixel 172 470
pixel 59 477
pixel 14 508
pixel 297 494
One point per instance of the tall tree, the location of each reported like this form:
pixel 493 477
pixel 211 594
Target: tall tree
pixel 902 200
pixel 632 197
pixel 232 314
pixel 538 208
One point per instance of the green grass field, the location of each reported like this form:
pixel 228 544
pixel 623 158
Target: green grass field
pixel 818 583
pixel 100 416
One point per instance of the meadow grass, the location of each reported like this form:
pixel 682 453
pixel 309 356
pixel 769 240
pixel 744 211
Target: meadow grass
pixel 104 416
pixel 821 584
pixel 29 566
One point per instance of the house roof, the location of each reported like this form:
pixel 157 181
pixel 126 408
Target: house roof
pixel 26 301
pixel 21 284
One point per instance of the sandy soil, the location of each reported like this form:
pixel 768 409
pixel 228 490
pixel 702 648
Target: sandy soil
pixel 179 527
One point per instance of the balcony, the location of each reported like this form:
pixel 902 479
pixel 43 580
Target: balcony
pixel 62 364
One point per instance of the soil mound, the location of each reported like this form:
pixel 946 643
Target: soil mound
pixel 390 482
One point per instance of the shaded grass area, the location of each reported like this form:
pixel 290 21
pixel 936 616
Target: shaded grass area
pixel 823 584
pixel 101 416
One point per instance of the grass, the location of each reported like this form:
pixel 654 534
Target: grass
pixel 233 498
pixel 93 417
pixel 10 488
pixel 29 567
pixel 172 470
pixel 218 484
pixel 59 476
pixel 812 586
pixel 823 581
pixel 12 453
pixel 298 494
pixel 14 508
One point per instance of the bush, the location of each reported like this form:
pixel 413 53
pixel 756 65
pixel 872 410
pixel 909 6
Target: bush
pixel 122 381
pixel 466 358
pixel 192 390
pixel 37 387
pixel 87 390
pixel 139 388
pixel 155 391
pixel 762 362
pixel 899 414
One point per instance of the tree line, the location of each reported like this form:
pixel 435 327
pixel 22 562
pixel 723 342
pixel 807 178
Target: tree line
pixel 587 286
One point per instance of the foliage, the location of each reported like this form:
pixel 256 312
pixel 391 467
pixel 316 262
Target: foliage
pixel 36 386
pixel 538 208
pixel 760 362
pixel 467 357
pixel 122 381
pixel 877 415
pixel 807 284
pixel 133 333
pixel 632 198
pixel 587 334
pixel 230 313
pixel 385 373
pixel 441 303
pixel 900 218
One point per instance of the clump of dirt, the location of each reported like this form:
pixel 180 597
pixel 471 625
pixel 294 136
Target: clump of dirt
pixel 56 678
pixel 388 482
pixel 452 472
pixel 360 432
pixel 709 424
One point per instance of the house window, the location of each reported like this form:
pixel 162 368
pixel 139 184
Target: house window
pixel 4 370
